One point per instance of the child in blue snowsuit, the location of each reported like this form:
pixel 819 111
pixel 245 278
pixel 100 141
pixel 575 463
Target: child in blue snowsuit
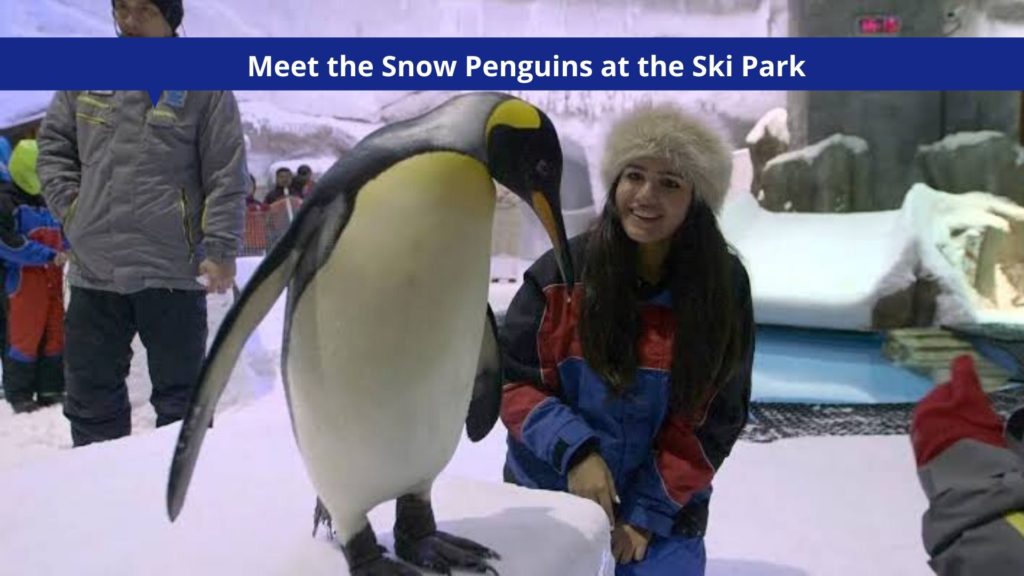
pixel 32 249
pixel 631 387
pixel 5 179
pixel 5 157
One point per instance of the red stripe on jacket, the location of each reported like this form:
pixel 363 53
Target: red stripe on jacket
pixel 557 338
pixel 681 461
pixel 517 401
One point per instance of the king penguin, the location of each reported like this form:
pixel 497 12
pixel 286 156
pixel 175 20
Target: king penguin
pixel 389 344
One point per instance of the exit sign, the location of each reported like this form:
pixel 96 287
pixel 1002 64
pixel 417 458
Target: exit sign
pixel 885 24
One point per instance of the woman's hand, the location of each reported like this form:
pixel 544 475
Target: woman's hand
pixel 592 479
pixel 629 543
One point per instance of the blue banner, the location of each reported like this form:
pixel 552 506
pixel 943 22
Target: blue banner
pixel 890 63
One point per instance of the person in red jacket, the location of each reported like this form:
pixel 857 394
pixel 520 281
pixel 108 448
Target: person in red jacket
pixel 631 387
pixel 282 186
pixel 971 467
pixel 32 248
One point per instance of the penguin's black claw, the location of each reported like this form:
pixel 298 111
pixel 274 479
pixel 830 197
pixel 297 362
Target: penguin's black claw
pixel 366 557
pixel 321 517
pixel 443 552
pixel 468 545
pixel 384 567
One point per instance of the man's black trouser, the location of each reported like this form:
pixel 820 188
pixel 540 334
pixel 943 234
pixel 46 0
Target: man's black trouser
pixel 99 329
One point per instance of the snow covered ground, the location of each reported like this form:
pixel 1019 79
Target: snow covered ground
pixel 100 511
pixel 829 507
pixel 831 270
pixel 819 506
pixel 814 506
pixel 25 437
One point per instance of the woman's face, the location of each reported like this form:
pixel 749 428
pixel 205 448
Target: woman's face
pixel 652 200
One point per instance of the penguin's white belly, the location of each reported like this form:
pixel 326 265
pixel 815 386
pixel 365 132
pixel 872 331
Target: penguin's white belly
pixel 385 340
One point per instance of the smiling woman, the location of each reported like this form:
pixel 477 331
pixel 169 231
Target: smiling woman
pixel 630 387
pixel 652 200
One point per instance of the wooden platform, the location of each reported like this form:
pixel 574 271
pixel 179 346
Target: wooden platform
pixel 930 351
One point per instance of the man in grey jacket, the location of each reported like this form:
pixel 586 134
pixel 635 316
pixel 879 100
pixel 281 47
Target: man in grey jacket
pixel 971 466
pixel 151 198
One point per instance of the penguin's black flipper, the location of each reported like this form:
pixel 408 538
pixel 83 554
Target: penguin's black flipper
pixel 251 306
pixel 486 401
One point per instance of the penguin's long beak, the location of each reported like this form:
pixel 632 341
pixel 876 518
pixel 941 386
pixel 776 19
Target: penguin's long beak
pixel 555 227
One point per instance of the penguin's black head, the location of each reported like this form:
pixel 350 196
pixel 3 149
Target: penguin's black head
pixel 524 155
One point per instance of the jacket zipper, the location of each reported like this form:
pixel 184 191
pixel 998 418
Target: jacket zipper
pixel 186 226
pixel 70 213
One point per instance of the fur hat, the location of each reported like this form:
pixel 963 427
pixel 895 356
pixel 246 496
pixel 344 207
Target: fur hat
pixel 694 149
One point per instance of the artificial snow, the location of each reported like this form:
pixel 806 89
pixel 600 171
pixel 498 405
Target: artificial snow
pixel 817 270
pixel 958 140
pixel 830 270
pixel 100 510
pixel 26 437
pixel 941 222
pixel 19 107
pixel 774 123
pixel 789 508
pixel 807 155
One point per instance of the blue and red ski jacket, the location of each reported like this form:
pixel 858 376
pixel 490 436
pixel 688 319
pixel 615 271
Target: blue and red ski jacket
pixel 554 404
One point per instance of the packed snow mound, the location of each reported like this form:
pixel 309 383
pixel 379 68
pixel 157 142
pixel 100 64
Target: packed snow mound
pixel 832 270
pixel 855 144
pixel 960 139
pixel 774 123
pixel 818 270
pixel 249 510
pixel 951 229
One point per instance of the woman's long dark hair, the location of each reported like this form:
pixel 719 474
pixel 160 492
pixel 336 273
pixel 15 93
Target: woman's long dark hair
pixel 708 341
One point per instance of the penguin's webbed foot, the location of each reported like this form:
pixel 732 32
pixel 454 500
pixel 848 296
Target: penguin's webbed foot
pixel 443 552
pixel 366 557
pixel 468 545
pixel 384 567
